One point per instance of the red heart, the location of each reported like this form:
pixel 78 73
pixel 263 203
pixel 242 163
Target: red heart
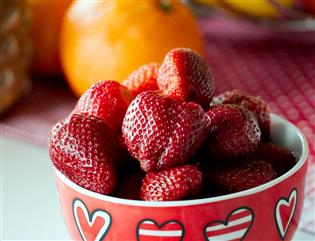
pixel 149 230
pixel 92 226
pixel 284 212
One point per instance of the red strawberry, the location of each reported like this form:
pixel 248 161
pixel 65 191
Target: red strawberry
pixel 184 75
pixel 249 102
pixel 84 148
pixel 161 132
pixel 239 176
pixel 143 79
pixel 281 159
pixel 234 132
pixel 107 100
pixel 176 183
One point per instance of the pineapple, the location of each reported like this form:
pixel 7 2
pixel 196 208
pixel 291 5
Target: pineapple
pixel 15 51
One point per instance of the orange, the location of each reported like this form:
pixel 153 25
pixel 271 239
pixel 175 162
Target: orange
pixel 46 22
pixel 110 39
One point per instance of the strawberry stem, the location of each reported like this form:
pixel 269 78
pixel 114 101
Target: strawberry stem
pixel 165 5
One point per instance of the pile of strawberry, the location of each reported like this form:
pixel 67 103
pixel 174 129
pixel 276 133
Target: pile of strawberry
pixel 189 143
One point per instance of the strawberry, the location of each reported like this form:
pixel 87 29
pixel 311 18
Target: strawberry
pixel 142 79
pixel 280 158
pixel 249 102
pixel 84 148
pixel 184 75
pixel 239 175
pixel 107 100
pixel 161 132
pixel 175 183
pixel 234 132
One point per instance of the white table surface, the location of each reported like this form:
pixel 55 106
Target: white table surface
pixel 29 208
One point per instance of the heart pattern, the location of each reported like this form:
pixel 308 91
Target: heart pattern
pixel 284 212
pixel 92 226
pixel 150 230
pixel 234 227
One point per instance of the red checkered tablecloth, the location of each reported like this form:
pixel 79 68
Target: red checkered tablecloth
pixel 278 66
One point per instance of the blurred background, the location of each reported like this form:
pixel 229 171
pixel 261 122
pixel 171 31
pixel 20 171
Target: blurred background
pixel 51 51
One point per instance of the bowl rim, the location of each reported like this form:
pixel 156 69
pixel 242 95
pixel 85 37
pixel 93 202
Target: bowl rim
pixel 300 163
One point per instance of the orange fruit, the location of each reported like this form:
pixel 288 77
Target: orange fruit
pixel 46 22
pixel 110 39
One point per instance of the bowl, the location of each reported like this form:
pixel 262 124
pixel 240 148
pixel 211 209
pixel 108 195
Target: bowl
pixel 268 212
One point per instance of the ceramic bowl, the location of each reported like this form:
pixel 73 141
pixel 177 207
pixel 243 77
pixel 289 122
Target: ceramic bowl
pixel 268 212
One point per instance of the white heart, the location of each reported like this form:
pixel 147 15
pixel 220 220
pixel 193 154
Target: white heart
pixel 285 202
pixel 99 213
pixel 241 226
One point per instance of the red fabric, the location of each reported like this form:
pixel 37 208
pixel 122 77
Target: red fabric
pixel 278 66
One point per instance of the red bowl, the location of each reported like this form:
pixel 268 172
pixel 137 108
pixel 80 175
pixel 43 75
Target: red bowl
pixel 269 212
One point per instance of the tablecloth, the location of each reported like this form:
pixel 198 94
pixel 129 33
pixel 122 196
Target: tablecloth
pixel 278 66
